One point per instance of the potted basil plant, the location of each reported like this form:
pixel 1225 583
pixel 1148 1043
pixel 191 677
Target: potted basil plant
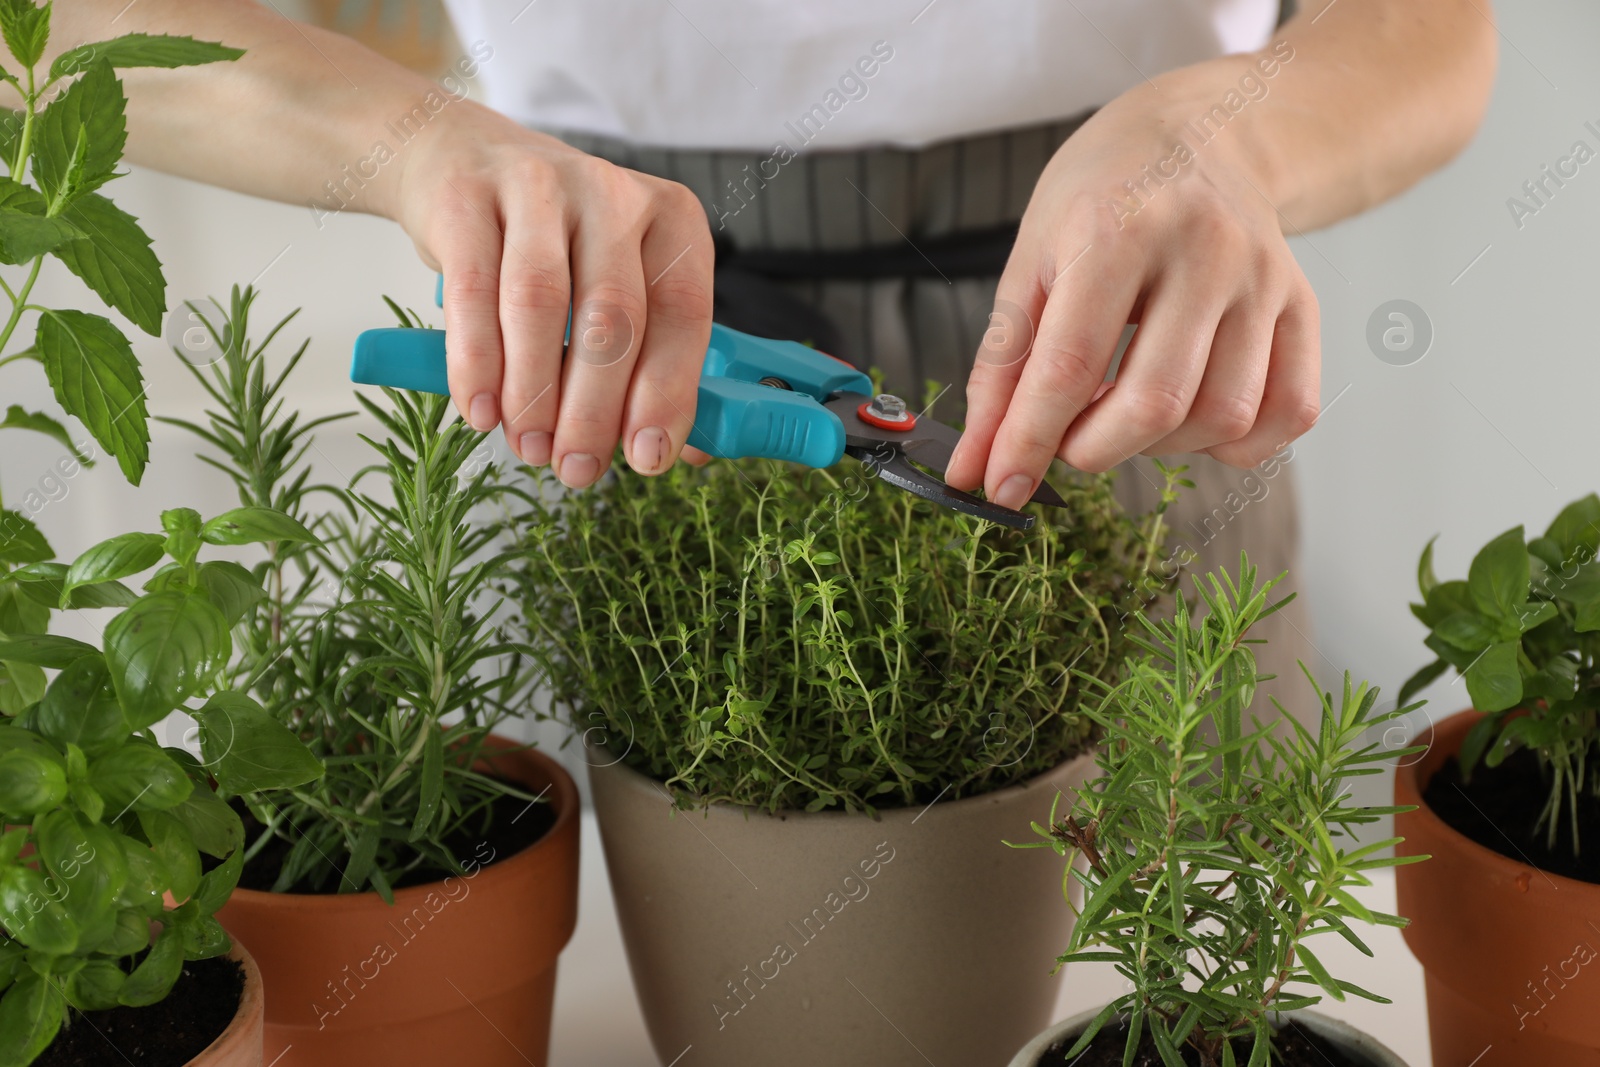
pixel 408 907
pixel 1508 800
pixel 112 947
pixel 812 704
pixel 1212 851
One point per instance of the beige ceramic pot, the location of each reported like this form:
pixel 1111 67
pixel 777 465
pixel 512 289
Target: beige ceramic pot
pixel 1361 1048
pixel 834 938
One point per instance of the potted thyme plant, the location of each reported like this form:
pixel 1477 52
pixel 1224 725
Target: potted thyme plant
pixel 811 705
pixel 1508 799
pixel 113 949
pixel 428 881
pixel 1210 856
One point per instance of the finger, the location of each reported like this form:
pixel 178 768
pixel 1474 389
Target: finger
pixel 678 262
pixel 1078 334
pixel 1007 339
pixel 693 456
pixel 535 292
pixel 1290 400
pixel 1224 408
pixel 467 244
pixel 608 322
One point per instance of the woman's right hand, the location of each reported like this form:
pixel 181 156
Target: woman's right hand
pixel 522 227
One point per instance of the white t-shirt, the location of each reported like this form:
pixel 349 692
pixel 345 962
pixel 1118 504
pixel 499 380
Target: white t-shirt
pixel 737 74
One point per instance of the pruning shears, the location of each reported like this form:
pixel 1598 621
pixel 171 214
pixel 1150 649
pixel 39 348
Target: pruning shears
pixel 757 397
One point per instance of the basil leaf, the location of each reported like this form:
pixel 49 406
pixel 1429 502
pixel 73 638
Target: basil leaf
pixel 152 979
pixel 115 557
pixel 246 749
pixel 248 525
pixel 1494 680
pixel 81 707
pixel 44 650
pixel 85 862
pixel 138 776
pixel 230 587
pixel 170 841
pixel 31 1014
pixel 215 827
pixel 1577 529
pixel 96 985
pixel 30 781
pixel 163 650
pixel 1498 578
pixel 217 885
pixel 32 916
pixel 43 584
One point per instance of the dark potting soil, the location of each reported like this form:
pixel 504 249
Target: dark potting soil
pixel 513 826
pixel 1500 808
pixel 203 1001
pixel 1298 1047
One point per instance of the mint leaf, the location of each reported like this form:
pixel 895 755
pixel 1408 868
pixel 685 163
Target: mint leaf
pixel 96 377
pixel 25 231
pixel 11 122
pixel 112 255
pixel 93 106
pixel 143 50
pixel 19 419
pixel 21 541
pixel 26 29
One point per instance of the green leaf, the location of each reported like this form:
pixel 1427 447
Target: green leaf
pixel 32 916
pixel 96 985
pixel 21 541
pixel 170 840
pixel 139 776
pixel 218 884
pixel 152 979
pixel 1426 579
pixel 26 28
pixel 163 650
pixel 1420 681
pixel 215 827
pixel 115 557
pixel 19 419
pixel 43 582
pixel 94 105
pixel 1577 529
pixel 144 50
pixel 1494 680
pixel 204 938
pixel 31 781
pixel 1468 629
pixel 432 783
pixel 26 232
pixel 248 750
pixel 81 707
pixel 96 378
pixel 1498 577
pixel 230 587
pixel 111 253
pixel 131 934
pixel 243 526
pixel 44 650
pixel 31 1014
pixel 86 864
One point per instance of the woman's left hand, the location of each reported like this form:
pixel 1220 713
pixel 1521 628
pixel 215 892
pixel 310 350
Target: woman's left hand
pixel 1136 220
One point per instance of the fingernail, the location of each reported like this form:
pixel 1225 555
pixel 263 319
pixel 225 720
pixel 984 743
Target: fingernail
pixel 649 452
pixel 579 470
pixel 1014 491
pixel 483 412
pixel 534 448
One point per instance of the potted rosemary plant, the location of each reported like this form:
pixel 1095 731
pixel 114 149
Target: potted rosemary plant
pixel 812 704
pixel 1506 914
pixel 1209 855
pixel 409 906
pixel 112 946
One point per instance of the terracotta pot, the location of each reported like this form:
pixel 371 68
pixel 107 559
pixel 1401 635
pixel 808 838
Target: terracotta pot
pixel 458 971
pixel 834 938
pixel 1361 1048
pixel 240 1044
pixel 1512 954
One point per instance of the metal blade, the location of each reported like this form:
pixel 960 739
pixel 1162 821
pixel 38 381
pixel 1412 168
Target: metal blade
pixel 930 443
pixel 892 466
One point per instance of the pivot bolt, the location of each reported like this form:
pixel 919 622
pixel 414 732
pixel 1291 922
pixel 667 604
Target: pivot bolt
pixel 889 407
pixel 887 412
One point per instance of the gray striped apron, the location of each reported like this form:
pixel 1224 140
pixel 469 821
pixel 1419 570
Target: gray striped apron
pixel 926 327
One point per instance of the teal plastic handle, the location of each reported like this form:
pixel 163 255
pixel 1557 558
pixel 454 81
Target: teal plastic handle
pixel 735 417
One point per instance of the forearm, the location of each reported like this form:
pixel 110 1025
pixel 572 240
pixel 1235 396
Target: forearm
pixel 292 114
pixel 1366 98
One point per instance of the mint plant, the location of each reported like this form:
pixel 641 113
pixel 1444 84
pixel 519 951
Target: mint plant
pixel 102 895
pixel 757 634
pixel 59 149
pixel 1215 847
pixel 378 643
pixel 1523 630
